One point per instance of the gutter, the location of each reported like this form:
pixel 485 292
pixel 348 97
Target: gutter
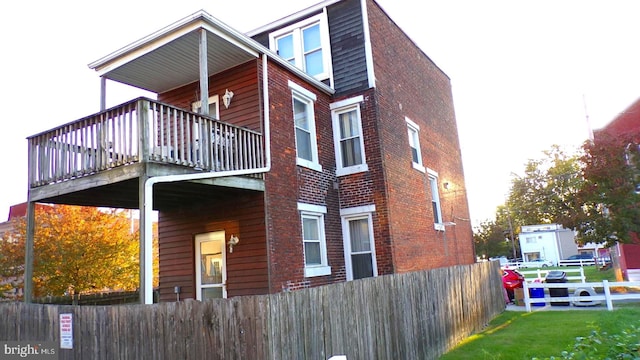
pixel 146 256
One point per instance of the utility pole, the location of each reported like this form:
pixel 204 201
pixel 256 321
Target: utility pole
pixel 513 240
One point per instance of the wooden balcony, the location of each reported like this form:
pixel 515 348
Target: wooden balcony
pixel 139 138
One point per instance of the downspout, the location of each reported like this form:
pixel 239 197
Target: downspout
pixel 148 189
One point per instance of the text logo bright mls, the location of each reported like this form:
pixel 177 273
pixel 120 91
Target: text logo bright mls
pixel 28 350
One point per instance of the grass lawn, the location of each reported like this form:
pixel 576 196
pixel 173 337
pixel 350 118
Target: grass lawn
pixel 542 334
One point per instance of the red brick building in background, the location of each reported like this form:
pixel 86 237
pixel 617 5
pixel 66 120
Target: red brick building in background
pixel 626 256
pixel 363 173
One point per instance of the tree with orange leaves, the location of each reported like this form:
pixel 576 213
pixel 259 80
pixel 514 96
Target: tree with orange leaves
pixel 76 250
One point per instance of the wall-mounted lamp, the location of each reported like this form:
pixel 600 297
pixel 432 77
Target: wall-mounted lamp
pixel 226 98
pixel 233 241
pixel 445 185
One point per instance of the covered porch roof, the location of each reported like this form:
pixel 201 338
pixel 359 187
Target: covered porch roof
pixel 170 57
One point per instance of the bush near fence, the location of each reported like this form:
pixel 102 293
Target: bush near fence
pixel 418 315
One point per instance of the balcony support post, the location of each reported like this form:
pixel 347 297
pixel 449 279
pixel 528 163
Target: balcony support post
pixel 103 93
pixel 204 74
pixel 29 253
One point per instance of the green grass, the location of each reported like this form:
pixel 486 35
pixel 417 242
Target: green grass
pixel 541 334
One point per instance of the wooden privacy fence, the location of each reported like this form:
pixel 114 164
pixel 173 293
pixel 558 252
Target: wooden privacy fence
pixel 418 315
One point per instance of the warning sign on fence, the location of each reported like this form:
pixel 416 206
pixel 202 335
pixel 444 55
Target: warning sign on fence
pixel 66 331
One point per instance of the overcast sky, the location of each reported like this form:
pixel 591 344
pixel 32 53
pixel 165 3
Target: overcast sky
pixel 525 74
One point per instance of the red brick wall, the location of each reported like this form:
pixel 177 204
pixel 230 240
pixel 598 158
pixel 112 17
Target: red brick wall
pixel 287 184
pixel 416 88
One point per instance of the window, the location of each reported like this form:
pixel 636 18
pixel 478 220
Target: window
pixel 305 45
pixel 435 201
pixel 359 248
pixel 414 143
pixel 305 127
pixel 313 240
pixel 213 107
pixel 348 136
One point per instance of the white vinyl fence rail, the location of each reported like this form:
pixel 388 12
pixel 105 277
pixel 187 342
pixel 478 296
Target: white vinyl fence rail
pixel 542 273
pixel 582 294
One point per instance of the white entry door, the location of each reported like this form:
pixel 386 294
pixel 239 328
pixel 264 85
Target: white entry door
pixel 211 274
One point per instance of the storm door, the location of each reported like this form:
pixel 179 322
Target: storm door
pixel 211 275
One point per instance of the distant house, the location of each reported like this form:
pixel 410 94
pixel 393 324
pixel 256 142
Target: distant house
pixel 317 149
pixel 548 242
pixel 625 257
pixel 554 243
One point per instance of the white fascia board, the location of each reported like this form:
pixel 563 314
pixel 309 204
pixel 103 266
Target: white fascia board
pixel 152 41
pixel 121 57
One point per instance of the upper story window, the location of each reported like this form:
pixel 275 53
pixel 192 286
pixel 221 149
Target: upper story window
pixel 414 144
pixel 305 45
pixel 305 127
pixel 348 136
pixel 313 239
pixel 435 200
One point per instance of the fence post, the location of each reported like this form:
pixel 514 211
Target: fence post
pixel 582 277
pixel 607 294
pixel 525 290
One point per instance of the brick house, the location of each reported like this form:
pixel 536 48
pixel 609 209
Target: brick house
pixel 328 152
pixel 626 257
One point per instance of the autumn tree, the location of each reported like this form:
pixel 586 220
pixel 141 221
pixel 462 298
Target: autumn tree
pixel 77 250
pixel 607 208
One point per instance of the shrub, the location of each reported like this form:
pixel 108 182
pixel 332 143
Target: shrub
pixel 601 345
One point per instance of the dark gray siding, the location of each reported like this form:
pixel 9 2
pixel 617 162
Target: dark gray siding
pixel 263 39
pixel 347 47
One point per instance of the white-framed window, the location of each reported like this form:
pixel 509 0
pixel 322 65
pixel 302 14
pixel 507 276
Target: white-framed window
pixel 313 240
pixel 359 246
pixel 305 45
pixel 305 127
pixel 214 109
pixel 414 144
pixel 348 136
pixel 435 200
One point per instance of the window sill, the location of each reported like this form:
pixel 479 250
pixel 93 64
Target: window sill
pixel 317 271
pixel 308 164
pixel 352 170
pixel 419 167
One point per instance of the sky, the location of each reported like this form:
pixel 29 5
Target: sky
pixel 525 75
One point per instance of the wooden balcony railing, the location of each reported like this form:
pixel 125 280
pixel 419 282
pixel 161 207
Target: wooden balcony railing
pixel 142 130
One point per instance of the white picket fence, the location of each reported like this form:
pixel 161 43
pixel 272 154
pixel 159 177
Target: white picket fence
pixel 584 293
pixel 542 273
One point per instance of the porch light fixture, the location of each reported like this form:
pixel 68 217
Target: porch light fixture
pixel 233 241
pixel 226 98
